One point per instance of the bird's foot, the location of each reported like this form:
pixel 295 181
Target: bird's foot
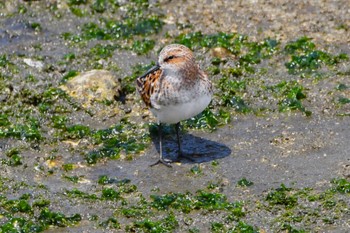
pixel 162 161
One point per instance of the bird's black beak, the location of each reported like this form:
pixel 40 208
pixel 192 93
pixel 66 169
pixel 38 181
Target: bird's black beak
pixel 154 68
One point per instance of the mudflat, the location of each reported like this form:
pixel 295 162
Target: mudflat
pixel 270 153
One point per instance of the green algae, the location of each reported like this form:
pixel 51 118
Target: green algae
pixel 102 51
pixel 110 194
pixel 59 122
pixel 78 11
pixel 244 182
pixel 196 170
pixel 68 167
pixel 208 119
pixel 342 87
pixel 303 206
pixel 143 46
pixel 20 216
pixel 187 202
pixel 290 95
pixel 4 60
pixel 139 211
pixel 14 158
pixel 126 137
pixel 107 193
pixel 41 203
pixel 21 9
pixel 343 100
pixel 69 57
pixel 4 120
pixel 104 180
pixel 110 223
pixel 76 2
pixel 100 6
pixel 248 52
pixel 305 58
pixel 138 23
pixel 194 40
pixel 20 223
pixel 48 217
pixel 72 73
pixel 76 132
pixel 240 227
pixel 73 179
pixel 341 185
pixel 230 91
pixel 36 27
pixel 167 224
pixel 15 206
pixel 288 228
pixel 236 212
pixel 29 130
pixel 288 202
pixel 76 193
pixel 300 45
pixel 281 196
pixel 50 101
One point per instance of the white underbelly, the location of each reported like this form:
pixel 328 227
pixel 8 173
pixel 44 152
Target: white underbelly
pixel 175 113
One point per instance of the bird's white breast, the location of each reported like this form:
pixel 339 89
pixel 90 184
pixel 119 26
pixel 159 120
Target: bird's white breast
pixel 175 113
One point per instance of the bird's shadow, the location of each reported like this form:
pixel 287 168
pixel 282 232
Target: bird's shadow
pixel 194 149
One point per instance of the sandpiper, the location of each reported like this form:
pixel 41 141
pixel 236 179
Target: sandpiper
pixel 175 89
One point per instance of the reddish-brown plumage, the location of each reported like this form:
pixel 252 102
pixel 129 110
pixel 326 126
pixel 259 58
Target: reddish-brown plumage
pixel 147 84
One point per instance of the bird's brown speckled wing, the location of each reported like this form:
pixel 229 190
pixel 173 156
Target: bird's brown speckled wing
pixel 147 83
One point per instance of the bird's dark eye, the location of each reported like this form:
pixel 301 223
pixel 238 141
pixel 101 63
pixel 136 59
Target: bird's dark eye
pixel 169 58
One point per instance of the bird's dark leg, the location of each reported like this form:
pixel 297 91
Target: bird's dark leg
pixel 177 128
pixel 180 154
pixel 160 160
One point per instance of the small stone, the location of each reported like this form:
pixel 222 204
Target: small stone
pixel 346 171
pixel 32 63
pixel 225 182
pixel 220 52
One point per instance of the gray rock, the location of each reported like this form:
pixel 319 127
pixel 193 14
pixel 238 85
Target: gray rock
pixel 92 86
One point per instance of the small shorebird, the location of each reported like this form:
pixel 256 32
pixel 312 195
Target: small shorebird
pixel 175 89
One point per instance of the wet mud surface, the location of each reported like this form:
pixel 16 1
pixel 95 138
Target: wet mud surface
pixel 271 154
